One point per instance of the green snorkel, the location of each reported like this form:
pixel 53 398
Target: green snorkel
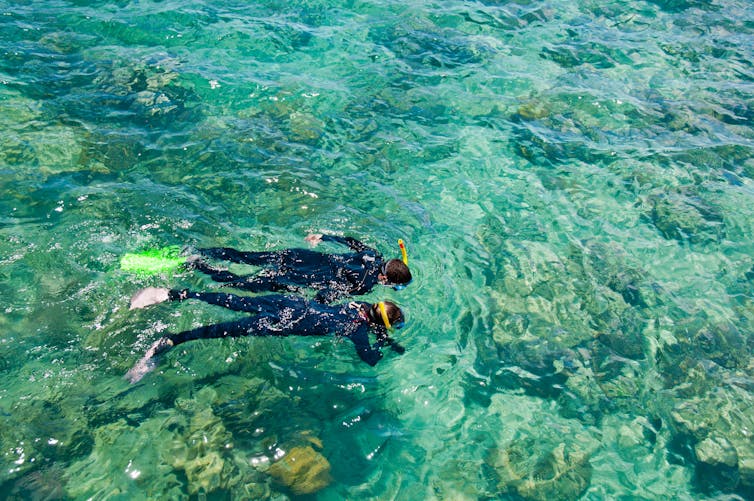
pixel 153 261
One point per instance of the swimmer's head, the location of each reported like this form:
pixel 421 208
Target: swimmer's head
pixel 396 274
pixel 386 313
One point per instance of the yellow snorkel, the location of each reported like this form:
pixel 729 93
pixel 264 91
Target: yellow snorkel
pixel 383 313
pixel 404 254
pixel 386 338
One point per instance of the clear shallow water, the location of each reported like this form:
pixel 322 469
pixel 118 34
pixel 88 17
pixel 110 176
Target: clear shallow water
pixel 574 184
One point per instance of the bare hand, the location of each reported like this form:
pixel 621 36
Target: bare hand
pixel 314 238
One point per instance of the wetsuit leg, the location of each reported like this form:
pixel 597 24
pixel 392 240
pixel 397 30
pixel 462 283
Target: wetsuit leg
pixel 242 257
pixel 286 258
pixel 255 283
pixel 215 274
pixel 257 304
pixel 255 326
pixel 252 283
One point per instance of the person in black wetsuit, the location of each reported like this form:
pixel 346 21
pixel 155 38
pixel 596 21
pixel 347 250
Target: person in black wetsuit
pixel 277 315
pixel 291 270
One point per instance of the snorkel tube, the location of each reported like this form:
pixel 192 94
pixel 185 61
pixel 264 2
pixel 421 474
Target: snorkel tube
pixel 387 339
pixel 404 258
pixel 383 313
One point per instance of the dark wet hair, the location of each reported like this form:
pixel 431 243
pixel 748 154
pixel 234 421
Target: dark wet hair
pixel 397 272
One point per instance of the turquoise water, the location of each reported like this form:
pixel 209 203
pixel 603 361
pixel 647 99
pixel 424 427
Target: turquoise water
pixel 573 180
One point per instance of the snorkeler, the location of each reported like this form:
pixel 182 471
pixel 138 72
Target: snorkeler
pixel 277 315
pixel 291 270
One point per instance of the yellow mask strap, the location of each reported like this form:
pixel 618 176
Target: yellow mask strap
pixel 383 312
pixel 404 254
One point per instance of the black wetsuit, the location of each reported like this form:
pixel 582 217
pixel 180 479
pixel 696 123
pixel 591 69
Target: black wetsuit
pixel 332 275
pixel 281 315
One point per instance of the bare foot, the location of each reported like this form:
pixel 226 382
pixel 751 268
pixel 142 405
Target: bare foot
pixel 148 362
pixel 148 297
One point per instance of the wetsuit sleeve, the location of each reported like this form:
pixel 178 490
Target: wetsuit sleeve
pixel 352 243
pixel 369 354
pixel 328 296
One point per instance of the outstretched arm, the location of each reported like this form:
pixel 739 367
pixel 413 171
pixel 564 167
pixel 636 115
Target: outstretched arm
pixel 368 353
pixel 393 344
pixel 384 339
pixel 352 243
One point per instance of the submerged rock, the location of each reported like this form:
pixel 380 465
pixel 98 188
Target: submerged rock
pixel 623 334
pixel 685 217
pixel 539 367
pixel 746 471
pixel 303 470
pixel 556 126
pixel 572 326
pixel 716 451
pixel 40 431
pixel 562 473
pixel 718 463
pixel 43 484
pixel 198 453
pixel 121 461
pixel 539 456
pixel 723 344
pixel 717 427
pixel 305 126
pixel 542 457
